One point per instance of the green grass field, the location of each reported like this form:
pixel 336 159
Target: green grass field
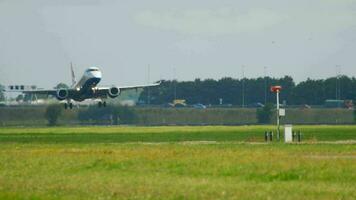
pixel 176 163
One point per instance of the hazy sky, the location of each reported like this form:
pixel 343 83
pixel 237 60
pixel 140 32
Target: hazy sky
pixel 198 38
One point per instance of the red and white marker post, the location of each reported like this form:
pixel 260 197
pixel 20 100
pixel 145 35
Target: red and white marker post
pixel 277 89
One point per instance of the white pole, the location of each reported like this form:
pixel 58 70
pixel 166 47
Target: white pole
pixel 278 128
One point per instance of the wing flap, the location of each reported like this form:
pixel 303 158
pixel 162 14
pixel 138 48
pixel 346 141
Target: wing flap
pixel 122 88
pixel 46 92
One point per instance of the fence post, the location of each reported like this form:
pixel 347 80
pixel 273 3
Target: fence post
pixel 299 136
pixel 266 136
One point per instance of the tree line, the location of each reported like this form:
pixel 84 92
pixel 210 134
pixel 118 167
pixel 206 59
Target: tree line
pixel 250 91
pixel 2 95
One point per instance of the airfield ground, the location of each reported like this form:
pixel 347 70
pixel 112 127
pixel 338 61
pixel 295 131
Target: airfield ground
pixel 176 163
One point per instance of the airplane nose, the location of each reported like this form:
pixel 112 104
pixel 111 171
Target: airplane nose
pixel 96 74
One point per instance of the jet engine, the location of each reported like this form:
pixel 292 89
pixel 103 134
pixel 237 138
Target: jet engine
pixel 114 92
pixel 62 94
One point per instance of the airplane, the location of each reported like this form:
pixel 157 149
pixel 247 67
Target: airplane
pixel 86 88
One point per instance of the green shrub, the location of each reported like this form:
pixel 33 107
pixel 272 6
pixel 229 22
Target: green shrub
pixel 264 115
pixel 52 114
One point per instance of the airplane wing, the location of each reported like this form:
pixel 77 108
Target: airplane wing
pixel 33 91
pixel 60 94
pixel 52 92
pixel 132 87
pixel 40 91
pixel 138 86
pixel 114 91
pixel 98 92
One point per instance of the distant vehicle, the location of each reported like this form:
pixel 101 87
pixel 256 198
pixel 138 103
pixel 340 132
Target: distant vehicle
pixel 305 106
pixel 224 106
pixel 256 105
pixel 331 103
pixel 86 88
pixel 167 105
pixel 199 106
pixel 349 104
pixel 179 103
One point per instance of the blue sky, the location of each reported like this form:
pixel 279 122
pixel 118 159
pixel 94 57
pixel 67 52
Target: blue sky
pixel 197 39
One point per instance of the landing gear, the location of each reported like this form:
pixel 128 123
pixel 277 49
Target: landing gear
pixel 68 106
pixel 101 104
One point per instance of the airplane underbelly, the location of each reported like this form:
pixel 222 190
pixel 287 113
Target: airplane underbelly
pixel 84 97
pixel 90 83
pixel 86 91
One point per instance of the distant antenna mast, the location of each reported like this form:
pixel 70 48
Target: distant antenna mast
pixel 73 75
pixel 148 89
pixel 175 82
pixel 338 82
pixel 265 83
pixel 243 86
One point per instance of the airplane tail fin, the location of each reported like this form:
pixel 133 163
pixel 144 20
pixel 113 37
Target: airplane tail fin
pixel 74 81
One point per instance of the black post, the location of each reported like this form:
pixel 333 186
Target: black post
pixel 266 136
pixel 299 136
pixel 278 133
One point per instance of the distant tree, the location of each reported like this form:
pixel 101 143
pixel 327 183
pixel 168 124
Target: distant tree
pixel 52 114
pixel 309 92
pixel 61 86
pixel 355 115
pixel 20 98
pixel 264 115
pixel 2 95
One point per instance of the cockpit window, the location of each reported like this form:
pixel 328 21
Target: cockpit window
pixel 93 70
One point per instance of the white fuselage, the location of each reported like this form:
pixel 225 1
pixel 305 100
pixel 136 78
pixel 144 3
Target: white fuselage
pixel 89 80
